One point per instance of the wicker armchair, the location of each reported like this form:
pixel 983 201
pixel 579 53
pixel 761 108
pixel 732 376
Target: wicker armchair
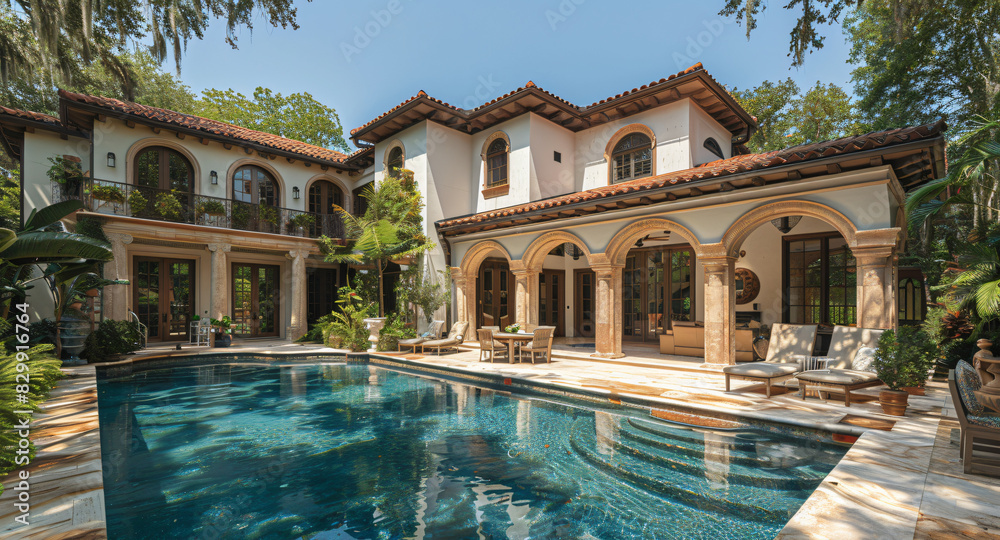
pixel 541 344
pixel 488 346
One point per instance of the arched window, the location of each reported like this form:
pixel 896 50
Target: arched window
pixel 632 158
pixel 323 195
pixel 254 185
pixel 395 160
pixel 496 163
pixel 163 168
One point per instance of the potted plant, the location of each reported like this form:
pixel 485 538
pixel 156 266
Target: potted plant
pixel 212 208
pixel 304 221
pixel 513 328
pixel 167 206
pixel 902 360
pixel 66 171
pixel 137 203
pixel 268 214
pixel 223 331
pixel 108 194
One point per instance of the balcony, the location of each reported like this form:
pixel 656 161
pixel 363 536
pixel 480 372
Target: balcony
pixel 119 199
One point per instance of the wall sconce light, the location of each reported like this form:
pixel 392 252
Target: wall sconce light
pixel 295 193
pixel 111 160
pixel 214 176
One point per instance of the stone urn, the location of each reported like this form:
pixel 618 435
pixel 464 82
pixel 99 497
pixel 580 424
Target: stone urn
pixel 374 325
pixel 74 327
pixel 984 353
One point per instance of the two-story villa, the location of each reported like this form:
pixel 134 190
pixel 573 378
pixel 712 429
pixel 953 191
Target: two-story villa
pixel 641 217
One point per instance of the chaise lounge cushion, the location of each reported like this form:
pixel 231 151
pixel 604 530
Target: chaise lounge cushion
pixel 789 341
pixel 762 370
pixel 847 341
pixel 968 382
pixel 837 376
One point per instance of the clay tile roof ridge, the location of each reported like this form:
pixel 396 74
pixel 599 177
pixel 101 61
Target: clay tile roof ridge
pixel 30 115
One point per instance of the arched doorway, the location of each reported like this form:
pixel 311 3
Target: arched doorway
pixel 256 197
pixel 324 199
pixel 566 285
pixel 485 284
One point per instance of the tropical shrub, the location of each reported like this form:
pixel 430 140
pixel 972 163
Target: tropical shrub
pixel 212 208
pixel 167 206
pixel 903 359
pixel 137 202
pixel 268 214
pixel 302 220
pixel 394 330
pixel 42 373
pixel 349 322
pixel 111 338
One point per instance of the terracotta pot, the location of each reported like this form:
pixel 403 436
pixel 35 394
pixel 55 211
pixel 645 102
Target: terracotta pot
pixel 76 305
pixel 893 401
pixel 93 293
pixel 915 390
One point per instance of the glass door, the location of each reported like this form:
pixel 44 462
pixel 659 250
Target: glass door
pixel 493 294
pixel 632 298
pixel 583 316
pixel 550 299
pixel 163 296
pixel 255 300
pixel 657 288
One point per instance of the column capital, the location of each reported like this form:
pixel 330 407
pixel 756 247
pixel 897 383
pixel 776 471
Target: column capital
pixel 119 238
pixel 723 260
pixel 523 272
pixel 606 268
pixel 297 254
pixel 873 254
pixel 219 247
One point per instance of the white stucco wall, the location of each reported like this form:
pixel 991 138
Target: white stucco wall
pixel 704 126
pixel 38 148
pixel 549 177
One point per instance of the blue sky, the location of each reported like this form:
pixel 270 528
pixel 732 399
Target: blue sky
pixel 363 58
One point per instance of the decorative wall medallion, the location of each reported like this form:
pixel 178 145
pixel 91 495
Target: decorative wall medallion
pixel 751 286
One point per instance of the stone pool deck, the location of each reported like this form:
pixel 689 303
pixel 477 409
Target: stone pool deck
pixel 901 479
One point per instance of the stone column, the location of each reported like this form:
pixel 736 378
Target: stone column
pixel 526 298
pixel 720 310
pixel 876 286
pixel 608 303
pixel 220 280
pixel 298 325
pixel 465 297
pixel 115 303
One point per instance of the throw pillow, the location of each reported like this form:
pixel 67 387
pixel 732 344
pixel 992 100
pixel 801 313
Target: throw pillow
pixel 864 359
pixel 968 381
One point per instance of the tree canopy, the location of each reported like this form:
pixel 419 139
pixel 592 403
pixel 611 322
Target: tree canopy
pixel 786 117
pixel 295 116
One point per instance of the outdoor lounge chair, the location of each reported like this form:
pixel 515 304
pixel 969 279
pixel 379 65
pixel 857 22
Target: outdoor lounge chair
pixel 980 440
pixel 455 337
pixel 787 344
pixel 840 372
pixel 432 333
pixel 489 346
pixel 541 343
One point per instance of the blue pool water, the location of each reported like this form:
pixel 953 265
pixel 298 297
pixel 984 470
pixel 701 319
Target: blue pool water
pixel 356 451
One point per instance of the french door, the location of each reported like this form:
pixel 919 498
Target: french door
pixel 255 300
pixel 163 296
pixel 494 296
pixel 657 288
pixel 584 319
pixel 321 290
pixel 551 285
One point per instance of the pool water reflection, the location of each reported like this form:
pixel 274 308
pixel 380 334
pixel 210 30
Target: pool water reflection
pixel 354 451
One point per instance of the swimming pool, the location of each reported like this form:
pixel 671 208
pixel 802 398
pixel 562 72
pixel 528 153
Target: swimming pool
pixel 357 451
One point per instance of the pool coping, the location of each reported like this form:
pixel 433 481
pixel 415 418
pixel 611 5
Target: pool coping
pixel 872 491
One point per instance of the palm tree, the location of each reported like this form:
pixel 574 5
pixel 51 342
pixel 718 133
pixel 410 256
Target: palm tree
pixel 977 287
pixel 390 229
pixel 972 183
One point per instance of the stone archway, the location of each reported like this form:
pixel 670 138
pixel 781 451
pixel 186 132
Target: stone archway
pixel 741 229
pixel 527 277
pixel 622 242
pixel 464 278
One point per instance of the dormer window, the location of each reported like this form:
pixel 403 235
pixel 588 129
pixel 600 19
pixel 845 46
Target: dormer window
pixel 394 162
pixel 496 163
pixel 712 146
pixel 632 158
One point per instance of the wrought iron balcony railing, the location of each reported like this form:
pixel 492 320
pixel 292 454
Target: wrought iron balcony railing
pixel 120 199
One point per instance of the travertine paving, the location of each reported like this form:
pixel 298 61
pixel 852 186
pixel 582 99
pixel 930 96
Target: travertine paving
pixel 902 483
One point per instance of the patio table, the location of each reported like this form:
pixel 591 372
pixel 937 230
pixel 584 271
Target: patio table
pixel 513 338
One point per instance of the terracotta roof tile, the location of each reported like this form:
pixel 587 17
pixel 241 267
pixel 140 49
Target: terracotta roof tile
pixel 30 115
pixel 529 86
pixel 719 168
pixel 208 126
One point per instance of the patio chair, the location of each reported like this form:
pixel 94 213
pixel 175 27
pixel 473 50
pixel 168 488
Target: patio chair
pixel 433 331
pixel 787 344
pixel 489 346
pixel 979 448
pixel 455 337
pixel 541 343
pixel 840 370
